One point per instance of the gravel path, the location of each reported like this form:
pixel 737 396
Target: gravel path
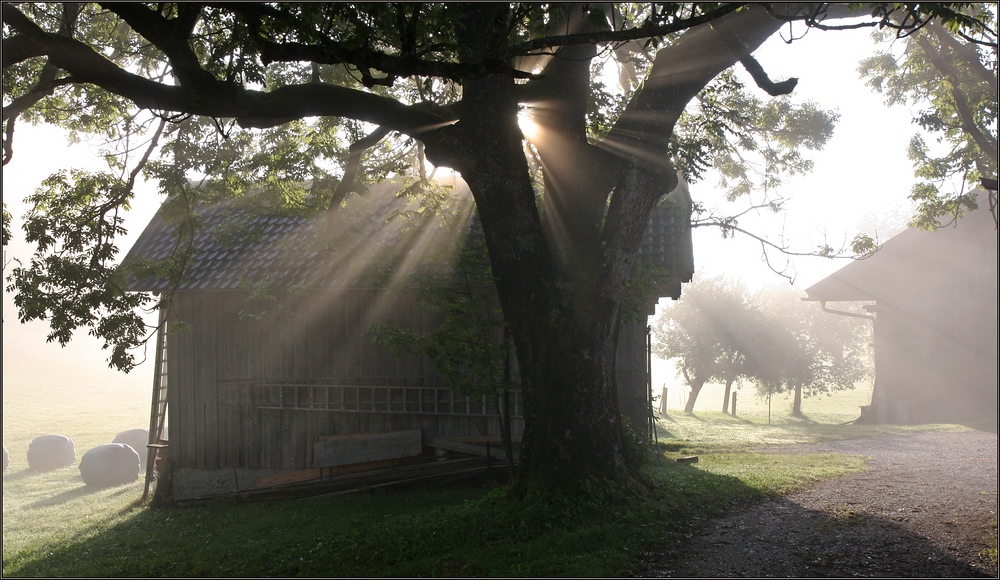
pixel 925 506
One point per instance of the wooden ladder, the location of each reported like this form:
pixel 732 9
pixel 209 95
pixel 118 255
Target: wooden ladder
pixel 158 408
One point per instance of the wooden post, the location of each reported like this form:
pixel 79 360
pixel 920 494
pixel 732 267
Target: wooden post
pixel 650 420
pixel 734 404
pixel 663 401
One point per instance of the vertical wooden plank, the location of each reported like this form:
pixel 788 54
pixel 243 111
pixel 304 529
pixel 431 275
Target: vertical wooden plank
pixel 210 380
pixel 175 392
pixel 300 434
pixel 225 322
pixel 300 345
pixel 264 438
pixel 242 339
pixel 286 443
pixel 190 401
pixel 255 347
pixel 178 388
pixel 250 416
pixel 199 345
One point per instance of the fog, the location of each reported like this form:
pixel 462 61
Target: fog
pixel 827 205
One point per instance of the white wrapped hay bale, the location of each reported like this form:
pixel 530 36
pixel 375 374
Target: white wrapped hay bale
pixel 137 440
pixel 109 465
pixel 48 452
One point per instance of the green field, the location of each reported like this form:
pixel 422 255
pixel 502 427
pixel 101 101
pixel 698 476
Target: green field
pixel 53 525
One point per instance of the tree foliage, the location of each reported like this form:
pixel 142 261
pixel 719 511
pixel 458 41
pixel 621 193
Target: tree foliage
pixel 951 76
pixel 715 334
pixel 720 332
pixel 809 351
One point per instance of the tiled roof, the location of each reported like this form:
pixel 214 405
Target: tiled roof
pixel 667 244
pixel 236 249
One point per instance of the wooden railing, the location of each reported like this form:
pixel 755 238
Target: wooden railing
pixel 354 398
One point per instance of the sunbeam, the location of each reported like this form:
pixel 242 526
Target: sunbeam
pixel 528 127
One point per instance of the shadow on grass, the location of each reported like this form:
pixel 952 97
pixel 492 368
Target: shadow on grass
pixel 23 474
pixel 457 531
pixel 801 418
pixel 69 494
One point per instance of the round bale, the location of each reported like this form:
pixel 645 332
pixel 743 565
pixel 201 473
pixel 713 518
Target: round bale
pixel 49 452
pixel 137 440
pixel 109 465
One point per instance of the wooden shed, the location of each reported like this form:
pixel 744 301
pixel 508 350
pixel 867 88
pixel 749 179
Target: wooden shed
pixel 934 298
pixel 273 361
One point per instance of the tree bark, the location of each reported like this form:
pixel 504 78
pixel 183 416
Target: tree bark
pixel 696 384
pixel 797 402
pixel 725 398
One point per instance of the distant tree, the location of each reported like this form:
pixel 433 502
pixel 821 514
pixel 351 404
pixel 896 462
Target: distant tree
pixel 951 74
pixel 713 334
pixel 806 350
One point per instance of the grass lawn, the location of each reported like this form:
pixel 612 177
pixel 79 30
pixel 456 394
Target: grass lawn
pixel 709 430
pixel 53 525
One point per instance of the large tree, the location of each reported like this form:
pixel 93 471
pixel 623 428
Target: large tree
pixel 288 94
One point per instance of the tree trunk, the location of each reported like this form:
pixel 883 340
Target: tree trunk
pixel 725 398
pixel 508 445
pixel 565 336
pixel 696 386
pixel 797 402
pixel 561 285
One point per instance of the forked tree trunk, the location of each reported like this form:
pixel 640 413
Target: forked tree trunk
pixel 561 288
pixel 565 339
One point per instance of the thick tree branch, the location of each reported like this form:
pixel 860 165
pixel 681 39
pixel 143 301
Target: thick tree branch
pixel 45 86
pixel 354 163
pixel 19 48
pixel 968 53
pixel 172 38
pixel 986 144
pixel 229 100
pixel 408 64
pixel 8 140
pixel 763 81
pixel 679 73
pixel 597 37
pixel 396 66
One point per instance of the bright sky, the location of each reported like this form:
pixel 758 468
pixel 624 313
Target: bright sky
pixel 863 171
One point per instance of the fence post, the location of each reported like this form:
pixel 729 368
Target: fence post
pixel 663 401
pixel 734 404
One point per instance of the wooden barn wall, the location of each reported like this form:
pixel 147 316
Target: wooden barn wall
pixel 936 350
pixel 216 370
pixel 630 374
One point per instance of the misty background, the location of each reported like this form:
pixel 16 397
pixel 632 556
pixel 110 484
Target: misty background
pixel 860 182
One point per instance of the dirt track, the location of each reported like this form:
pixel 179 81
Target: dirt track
pixel 925 506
